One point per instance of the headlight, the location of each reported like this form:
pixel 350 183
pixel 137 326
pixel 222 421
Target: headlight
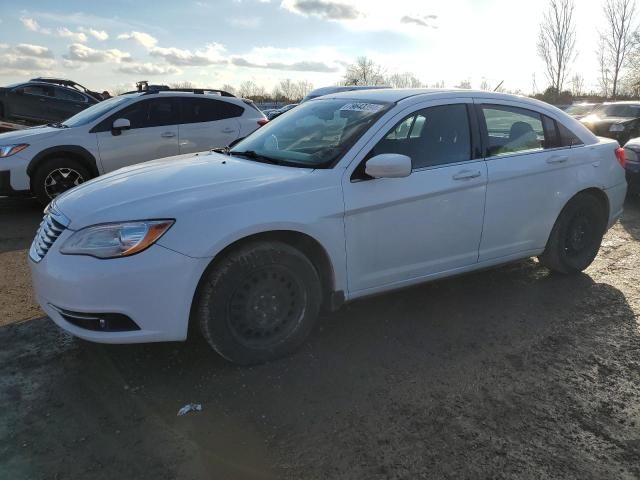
pixel 617 127
pixel 8 150
pixel 113 240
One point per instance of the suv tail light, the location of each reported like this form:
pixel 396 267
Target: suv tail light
pixel 263 121
pixel 620 156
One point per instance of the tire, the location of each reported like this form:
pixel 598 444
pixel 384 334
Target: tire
pixel 54 170
pixel 259 302
pixel 576 236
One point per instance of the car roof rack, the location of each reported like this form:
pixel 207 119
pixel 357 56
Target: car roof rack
pixel 57 81
pixel 146 89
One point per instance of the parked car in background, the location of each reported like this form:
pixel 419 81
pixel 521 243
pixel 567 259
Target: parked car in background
pixel 40 101
pixel 276 113
pixel 46 161
pixel 345 196
pixel 617 120
pixel 71 84
pixel 580 110
pixel 318 92
pixel 632 164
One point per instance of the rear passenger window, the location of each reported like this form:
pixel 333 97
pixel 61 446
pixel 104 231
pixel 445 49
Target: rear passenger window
pixel 69 95
pixel 208 110
pixel 512 130
pixel 567 137
pixel 36 90
pixel 430 137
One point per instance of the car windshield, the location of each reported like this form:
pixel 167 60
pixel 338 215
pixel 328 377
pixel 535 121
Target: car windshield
pixel 618 110
pixel 96 111
pixel 579 109
pixel 314 134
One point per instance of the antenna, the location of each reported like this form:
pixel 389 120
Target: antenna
pixel 499 85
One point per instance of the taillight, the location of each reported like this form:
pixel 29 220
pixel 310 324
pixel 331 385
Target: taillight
pixel 263 121
pixel 620 156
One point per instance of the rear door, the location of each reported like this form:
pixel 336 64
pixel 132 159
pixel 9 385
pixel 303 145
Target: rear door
pixel 31 102
pixel 153 133
pixel 531 171
pixel 208 123
pixel 66 103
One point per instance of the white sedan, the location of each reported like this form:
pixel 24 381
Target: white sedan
pixel 347 195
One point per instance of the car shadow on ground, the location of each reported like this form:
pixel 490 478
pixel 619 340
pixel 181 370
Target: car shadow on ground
pixel 631 218
pixel 493 374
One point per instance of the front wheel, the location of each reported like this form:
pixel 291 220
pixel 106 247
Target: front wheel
pixel 576 236
pixel 56 176
pixel 259 303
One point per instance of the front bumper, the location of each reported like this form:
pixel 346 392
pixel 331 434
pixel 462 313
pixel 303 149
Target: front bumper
pixel 154 289
pixel 14 179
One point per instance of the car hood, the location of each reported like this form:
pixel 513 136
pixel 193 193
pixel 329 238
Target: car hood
pixel 169 187
pixel 606 120
pixel 27 135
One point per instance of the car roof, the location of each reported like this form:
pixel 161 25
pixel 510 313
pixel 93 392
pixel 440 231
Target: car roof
pixel 398 94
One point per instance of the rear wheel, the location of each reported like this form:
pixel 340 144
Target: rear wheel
pixel 576 236
pixel 56 176
pixel 259 303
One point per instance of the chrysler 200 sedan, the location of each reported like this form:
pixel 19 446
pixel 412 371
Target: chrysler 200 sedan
pixel 347 195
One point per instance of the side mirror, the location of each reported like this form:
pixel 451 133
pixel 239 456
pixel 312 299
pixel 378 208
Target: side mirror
pixel 388 165
pixel 119 125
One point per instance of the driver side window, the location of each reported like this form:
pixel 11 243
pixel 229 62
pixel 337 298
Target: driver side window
pixel 430 137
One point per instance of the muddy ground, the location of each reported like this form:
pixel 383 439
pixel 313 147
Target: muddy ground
pixel 508 373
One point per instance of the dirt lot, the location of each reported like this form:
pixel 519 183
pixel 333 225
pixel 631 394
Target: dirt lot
pixel 509 373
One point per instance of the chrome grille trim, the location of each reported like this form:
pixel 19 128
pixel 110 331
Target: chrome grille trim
pixel 52 225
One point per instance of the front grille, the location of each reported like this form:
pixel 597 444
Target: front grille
pixel 49 230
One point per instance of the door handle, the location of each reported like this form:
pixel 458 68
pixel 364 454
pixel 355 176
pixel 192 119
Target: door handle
pixel 228 130
pixel 557 159
pixel 466 174
pixel 168 135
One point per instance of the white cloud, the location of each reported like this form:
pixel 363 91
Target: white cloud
pixel 148 69
pixel 144 39
pixel 245 22
pixel 212 54
pixel 97 34
pixel 11 64
pixel 64 32
pixel 82 53
pixel 33 26
pixel 30 50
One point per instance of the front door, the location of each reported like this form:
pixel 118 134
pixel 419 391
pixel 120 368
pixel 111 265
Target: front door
pixel 399 230
pixel 153 134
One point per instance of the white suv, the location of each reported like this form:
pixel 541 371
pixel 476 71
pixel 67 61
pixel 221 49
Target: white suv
pixel 48 160
pixel 345 196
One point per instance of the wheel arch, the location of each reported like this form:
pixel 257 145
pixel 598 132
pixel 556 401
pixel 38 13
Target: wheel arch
pixel 305 243
pixel 595 192
pixel 74 151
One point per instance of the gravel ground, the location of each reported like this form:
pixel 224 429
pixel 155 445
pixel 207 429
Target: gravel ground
pixel 508 373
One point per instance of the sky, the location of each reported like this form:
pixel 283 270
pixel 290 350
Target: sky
pixel 112 44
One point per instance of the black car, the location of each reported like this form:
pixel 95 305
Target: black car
pixel 43 101
pixel 617 120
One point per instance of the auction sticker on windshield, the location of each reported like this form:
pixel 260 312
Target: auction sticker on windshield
pixel 362 107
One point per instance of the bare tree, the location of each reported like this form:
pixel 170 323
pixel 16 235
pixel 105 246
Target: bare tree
pixel 604 76
pixel 557 41
pixel 618 37
pixel 302 89
pixel 364 72
pixel 485 85
pixel 229 88
pixel 183 84
pixel 577 85
pixel 247 89
pixel 403 80
pixel 464 84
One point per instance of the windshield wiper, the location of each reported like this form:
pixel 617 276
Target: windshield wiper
pixel 253 155
pixel 224 150
pixel 57 125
